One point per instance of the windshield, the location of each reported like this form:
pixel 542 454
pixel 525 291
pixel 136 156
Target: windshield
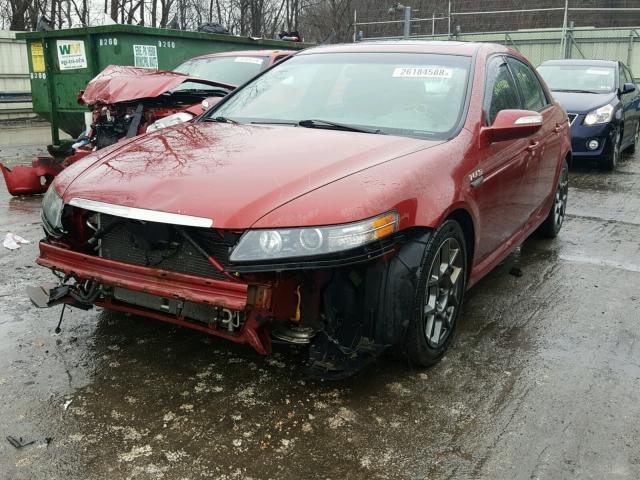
pixel 229 70
pixel 394 93
pixel 578 78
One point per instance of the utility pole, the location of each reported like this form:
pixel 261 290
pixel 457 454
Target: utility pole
pixel 449 22
pixel 407 23
pixel 398 7
pixel 355 25
pixel 563 40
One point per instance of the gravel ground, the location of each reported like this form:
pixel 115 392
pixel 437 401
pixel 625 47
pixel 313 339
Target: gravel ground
pixel 543 380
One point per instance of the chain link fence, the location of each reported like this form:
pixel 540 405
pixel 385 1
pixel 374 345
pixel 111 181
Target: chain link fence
pixel 385 18
pixel 557 28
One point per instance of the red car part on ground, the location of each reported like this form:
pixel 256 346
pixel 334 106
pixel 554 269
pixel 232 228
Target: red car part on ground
pixel 351 217
pixel 114 96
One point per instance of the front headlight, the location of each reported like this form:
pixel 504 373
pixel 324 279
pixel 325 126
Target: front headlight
pixel 52 205
pixel 312 241
pixel 599 115
pixel 168 121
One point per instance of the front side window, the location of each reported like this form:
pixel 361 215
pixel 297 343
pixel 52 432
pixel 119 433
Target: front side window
pixel 533 96
pixel 502 91
pixel 394 93
pixel 579 78
pixel 628 78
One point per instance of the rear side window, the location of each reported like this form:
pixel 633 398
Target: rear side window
pixel 533 96
pixel 501 90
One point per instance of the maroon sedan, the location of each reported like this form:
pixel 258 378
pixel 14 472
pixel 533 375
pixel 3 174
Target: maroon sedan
pixel 345 199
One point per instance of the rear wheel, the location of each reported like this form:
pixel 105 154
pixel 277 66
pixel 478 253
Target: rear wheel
pixel 553 223
pixel 439 295
pixel 609 161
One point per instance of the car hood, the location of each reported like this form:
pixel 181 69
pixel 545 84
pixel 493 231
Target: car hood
pixel 122 84
pixel 574 102
pixel 232 174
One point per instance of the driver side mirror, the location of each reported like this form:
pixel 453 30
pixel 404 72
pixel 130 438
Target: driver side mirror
pixel 628 88
pixel 511 125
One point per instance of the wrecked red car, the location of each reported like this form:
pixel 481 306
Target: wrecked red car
pixel 345 199
pixel 127 101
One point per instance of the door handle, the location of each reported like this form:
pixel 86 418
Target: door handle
pixel 533 145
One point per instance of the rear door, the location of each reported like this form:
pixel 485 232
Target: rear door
pixel 546 143
pixel 502 202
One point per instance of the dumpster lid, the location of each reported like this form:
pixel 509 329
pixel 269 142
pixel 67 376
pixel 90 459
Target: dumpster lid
pixel 121 84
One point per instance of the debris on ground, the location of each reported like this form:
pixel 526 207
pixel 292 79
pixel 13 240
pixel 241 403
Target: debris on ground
pixel 516 272
pixel 19 442
pixel 13 241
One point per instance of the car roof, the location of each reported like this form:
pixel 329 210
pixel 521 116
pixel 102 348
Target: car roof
pixel 246 53
pixel 408 46
pixel 582 61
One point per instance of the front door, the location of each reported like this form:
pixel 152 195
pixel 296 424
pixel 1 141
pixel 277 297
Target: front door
pixel 502 202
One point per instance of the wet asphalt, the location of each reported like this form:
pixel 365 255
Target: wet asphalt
pixel 542 381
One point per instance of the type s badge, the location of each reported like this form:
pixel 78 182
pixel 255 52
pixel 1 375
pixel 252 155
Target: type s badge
pixel 71 54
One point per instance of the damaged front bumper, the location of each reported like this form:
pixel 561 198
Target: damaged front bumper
pixel 179 295
pixel 35 179
pixel 24 180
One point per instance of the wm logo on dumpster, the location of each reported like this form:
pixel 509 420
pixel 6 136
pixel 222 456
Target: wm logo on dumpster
pixel 70 48
pixel 71 54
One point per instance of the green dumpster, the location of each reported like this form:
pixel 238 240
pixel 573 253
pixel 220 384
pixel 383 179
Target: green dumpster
pixel 62 62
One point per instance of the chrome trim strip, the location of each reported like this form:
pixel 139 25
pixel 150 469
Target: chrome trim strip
pixel 141 213
pixel 571 120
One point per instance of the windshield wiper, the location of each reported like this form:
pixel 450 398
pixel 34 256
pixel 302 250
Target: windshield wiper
pixel 314 123
pixel 271 122
pixel 575 91
pixel 220 120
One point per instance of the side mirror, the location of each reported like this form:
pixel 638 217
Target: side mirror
pixel 628 88
pixel 510 125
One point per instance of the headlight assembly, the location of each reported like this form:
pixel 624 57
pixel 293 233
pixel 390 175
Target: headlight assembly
pixel 311 241
pixel 599 115
pixel 52 205
pixel 168 121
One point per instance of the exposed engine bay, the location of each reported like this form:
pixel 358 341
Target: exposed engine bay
pixel 128 119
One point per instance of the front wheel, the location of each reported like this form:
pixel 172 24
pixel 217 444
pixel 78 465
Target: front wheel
pixel 609 161
pixel 439 294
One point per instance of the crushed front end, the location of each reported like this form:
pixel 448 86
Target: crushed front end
pixel 183 272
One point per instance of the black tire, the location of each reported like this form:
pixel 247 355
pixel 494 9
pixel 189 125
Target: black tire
pixel 437 301
pixel 555 218
pixel 632 148
pixel 609 161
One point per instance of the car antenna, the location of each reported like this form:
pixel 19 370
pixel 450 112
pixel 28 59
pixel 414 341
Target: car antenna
pixel 58 329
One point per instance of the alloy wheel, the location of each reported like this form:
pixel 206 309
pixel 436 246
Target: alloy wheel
pixel 444 292
pixel 615 155
pixel 562 192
